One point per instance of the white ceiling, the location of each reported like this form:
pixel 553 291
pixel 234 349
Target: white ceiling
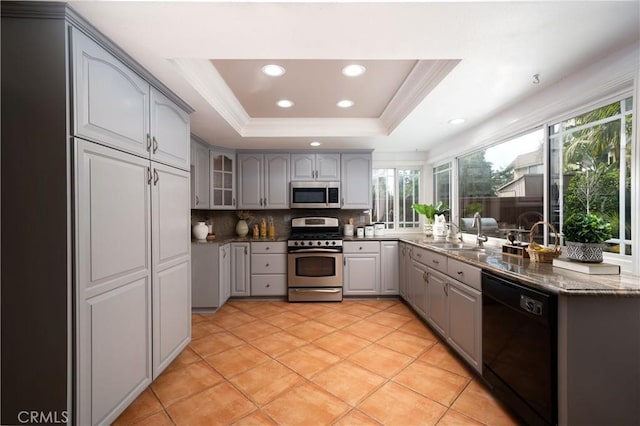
pixel 490 51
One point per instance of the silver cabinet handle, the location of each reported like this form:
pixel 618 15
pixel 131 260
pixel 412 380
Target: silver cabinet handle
pixel 268 285
pixel 360 248
pixel 267 248
pixel 245 250
pixel 460 273
pixel 233 201
pixel 446 290
pixel 266 265
pixel 436 262
pixel 424 276
pixel 342 202
pixel 148 142
pixel 156 177
pixel 155 144
pixel 265 202
pixel 148 175
pixel 197 200
pixel 418 254
pixel 260 201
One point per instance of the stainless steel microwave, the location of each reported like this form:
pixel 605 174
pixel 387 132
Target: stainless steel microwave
pixel 315 195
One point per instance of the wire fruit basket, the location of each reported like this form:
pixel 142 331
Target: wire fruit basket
pixel 542 254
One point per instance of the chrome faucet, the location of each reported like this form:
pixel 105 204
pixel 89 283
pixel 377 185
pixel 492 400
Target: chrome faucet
pixel 477 223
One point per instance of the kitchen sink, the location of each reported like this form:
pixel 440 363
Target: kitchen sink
pixel 456 246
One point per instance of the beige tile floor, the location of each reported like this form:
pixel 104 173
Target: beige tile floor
pixel 352 363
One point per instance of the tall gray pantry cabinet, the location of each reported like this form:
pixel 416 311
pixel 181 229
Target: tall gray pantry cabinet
pixel 96 288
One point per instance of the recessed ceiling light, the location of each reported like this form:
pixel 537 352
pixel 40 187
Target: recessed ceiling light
pixel 455 121
pixel 273 70
pixel 353 70
pixel 345 103
pixel 315 143
pixel 284 103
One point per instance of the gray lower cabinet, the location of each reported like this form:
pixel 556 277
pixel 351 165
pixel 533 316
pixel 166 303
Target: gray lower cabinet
pixel 269 268
pixel 210 275
pixel 133 268
pixel 437 290
pixel 240 269
pixel 389 268
pixel 356 172
pixel 464 320
pixel 224 257
pixel 418 287
pixel 205 274
pixel 361 267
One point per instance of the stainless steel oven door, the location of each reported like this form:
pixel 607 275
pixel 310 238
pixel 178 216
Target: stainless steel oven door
pixel 315 269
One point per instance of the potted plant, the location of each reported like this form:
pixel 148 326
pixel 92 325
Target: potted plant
pixel 585 234
pixel 430 211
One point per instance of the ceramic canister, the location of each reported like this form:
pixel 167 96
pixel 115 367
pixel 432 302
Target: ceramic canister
pixel 369 231
pixel 360 232
pixel 378 229
pixel 348 230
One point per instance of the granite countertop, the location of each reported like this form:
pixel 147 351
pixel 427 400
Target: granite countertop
pixel 543 276
pixel 224 239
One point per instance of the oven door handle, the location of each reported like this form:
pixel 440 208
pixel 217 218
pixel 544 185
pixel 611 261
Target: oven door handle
pixel 317 290
pixel 316 250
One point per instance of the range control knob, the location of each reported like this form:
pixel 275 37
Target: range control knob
pixel 333 243
pixel 326 243
pixel 310 242
pixel 319 242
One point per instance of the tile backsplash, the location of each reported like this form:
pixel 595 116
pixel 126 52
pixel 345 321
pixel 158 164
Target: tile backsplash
pixel 224 221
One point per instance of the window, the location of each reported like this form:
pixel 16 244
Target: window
pixel 590 169
pixel 394 191
pixel 504 183
pixel 442 184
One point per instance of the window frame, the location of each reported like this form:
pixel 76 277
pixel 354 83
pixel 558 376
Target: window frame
pixel 420 167
pixel 626 261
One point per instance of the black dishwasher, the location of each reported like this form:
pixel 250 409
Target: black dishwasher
pixel 519 348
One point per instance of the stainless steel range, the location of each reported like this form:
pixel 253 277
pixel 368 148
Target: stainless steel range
pixel 314 272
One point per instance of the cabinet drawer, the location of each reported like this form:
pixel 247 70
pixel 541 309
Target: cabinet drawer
pixel 269 247
pixel 269 285
pixel 463 272
pixel 361 247
pixel 431 259
pixel 268 263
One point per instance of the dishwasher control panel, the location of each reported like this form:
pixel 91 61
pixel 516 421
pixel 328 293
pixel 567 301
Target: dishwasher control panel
pixel 530 305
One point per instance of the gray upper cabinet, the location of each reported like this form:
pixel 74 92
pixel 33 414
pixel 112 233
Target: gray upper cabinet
pixel 113 289
pixel 111 101
pixel 171 264
pixel 222 184
pixel 169 132
pixel 250 172
pixel 116 107
pixel 263 181
pixel 311 166
pixel 356 181
pixel 200 176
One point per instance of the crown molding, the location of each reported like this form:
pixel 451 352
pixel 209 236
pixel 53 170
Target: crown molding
pixel 205 78
pixel 423 78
